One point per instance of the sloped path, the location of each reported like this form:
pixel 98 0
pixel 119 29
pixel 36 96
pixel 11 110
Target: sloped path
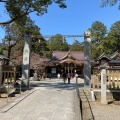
pixel 49 100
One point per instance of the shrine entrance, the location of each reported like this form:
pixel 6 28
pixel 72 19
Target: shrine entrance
pixel 67 62
pixel 67 58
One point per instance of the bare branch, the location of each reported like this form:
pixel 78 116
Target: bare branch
pixel 13 19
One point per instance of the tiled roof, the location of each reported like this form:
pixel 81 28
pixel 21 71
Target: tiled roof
pixel 103 56
pixel 115 61
pixel 57 55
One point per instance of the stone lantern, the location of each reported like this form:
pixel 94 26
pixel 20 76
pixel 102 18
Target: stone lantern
pixel 103 61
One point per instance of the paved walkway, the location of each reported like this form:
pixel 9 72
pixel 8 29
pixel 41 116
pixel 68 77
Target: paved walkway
pixel 49 100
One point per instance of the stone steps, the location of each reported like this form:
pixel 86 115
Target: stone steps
pixel 85 97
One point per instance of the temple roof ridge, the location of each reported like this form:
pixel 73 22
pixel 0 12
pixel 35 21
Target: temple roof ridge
pixel 113 55
pixel 103 55
pixel 60 55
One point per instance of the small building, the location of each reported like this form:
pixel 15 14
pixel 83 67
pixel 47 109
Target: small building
pixel 111 61
pixel 68 62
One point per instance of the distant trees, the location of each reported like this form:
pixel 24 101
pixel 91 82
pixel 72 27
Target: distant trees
pixel 113 43
pixel 102 41
pixel 57 43
pixel 76 46
pixel 11 37
pixel 98 32
pixel 14 37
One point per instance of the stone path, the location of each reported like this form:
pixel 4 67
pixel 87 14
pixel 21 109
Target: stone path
pixel 49 100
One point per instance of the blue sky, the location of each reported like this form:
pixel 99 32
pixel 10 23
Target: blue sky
pixel 74 20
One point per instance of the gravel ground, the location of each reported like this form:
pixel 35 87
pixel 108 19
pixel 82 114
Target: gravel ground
pixel 98 111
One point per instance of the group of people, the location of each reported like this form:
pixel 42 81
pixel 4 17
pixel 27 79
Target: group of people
pixel 66 77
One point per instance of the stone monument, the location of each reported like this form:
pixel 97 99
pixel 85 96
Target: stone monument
pixel 103 85
pixel 26 60
pixel 87 59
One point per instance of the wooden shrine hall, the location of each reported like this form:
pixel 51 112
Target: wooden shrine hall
pixel 68 62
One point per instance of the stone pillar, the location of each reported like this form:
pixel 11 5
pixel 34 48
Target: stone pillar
pixel 1 74
pixel 87 59
pixel 26 61
pixel 103 86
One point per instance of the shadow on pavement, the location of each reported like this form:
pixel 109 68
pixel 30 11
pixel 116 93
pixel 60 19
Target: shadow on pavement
pixel 53 85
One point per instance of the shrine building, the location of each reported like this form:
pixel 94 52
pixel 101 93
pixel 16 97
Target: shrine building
pixel 68 62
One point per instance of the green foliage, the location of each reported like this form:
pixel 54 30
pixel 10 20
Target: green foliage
pixel 14 38
pixel 76 46
pixel 98 32
pixel 57 43
pixel 102 42
pixel 114 37
pixel 11 37
pixel 19 9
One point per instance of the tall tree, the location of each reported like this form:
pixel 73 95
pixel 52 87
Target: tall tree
pixel 76 46
pixel 114 37
pixel 19 9
pixel 57 43
pixel 98 32
pixel 11 37
pixel 14 36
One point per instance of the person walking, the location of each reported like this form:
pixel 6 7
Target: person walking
pixel 64 77
pixel 69 77
pixel 58 76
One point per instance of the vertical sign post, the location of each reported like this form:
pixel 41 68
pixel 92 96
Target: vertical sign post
pixel 87 59
pixel 26 61
pixel 103 85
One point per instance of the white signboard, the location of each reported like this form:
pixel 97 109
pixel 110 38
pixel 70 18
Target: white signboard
pixel 53 70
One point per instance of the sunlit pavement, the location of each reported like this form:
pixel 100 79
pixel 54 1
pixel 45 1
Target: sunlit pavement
pixel 48 100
